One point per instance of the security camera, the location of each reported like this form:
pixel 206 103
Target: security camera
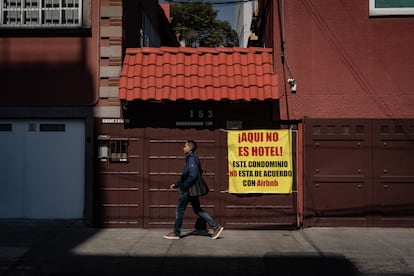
pixel 125 105
pixel 293 88
pixel 292 84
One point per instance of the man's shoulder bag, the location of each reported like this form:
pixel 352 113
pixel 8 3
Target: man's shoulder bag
pixel 199 188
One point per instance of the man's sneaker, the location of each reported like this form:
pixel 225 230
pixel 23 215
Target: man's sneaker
pixel 171 236
pixel 217 232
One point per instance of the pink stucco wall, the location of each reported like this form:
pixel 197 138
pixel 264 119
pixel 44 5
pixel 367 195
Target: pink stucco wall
pixel 346 64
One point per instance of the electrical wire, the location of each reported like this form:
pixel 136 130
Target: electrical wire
pixel 282 37
pixel 285 64
pixel 346 58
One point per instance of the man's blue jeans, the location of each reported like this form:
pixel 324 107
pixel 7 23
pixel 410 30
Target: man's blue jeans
pixel 195 203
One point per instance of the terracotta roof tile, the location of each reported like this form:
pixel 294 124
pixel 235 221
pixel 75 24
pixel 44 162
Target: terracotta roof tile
pixel 183 73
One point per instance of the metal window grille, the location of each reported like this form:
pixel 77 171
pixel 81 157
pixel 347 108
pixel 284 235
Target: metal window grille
pixel 149 36
pixel 40 13
pixel 119 150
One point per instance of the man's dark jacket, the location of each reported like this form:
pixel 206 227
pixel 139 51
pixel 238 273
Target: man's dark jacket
pixel 190 172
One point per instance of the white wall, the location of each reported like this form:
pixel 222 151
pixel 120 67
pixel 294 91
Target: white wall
pixel 244 13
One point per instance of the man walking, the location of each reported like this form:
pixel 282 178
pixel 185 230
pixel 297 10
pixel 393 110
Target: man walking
pixel 188 178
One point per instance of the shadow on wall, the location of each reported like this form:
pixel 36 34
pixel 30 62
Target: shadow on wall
pixel 46 81
pixel 42 84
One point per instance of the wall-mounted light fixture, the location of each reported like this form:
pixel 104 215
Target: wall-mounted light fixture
pixel 103 147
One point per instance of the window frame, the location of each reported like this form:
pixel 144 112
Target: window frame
pixel 80 28
pixel 113 149
pixel 41 10
pixel 118 150
pixel 396 11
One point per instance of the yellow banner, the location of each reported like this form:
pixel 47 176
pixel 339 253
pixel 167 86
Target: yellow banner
pixel 260 161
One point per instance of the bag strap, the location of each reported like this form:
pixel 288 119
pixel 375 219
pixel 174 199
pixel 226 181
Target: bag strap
pixel 200 171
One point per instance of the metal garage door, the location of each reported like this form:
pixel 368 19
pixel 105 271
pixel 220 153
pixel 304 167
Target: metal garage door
pixel 359 172
pixel 42 169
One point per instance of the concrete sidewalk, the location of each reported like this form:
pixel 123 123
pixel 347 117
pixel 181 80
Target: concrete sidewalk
pixel 70 248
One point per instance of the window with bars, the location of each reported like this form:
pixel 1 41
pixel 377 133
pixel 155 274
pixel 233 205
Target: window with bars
pixel 149 37
pixel 119 150
pixel 40 13
pixel 114 149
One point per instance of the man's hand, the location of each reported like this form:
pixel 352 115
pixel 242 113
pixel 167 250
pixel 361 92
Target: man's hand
pixel 172 186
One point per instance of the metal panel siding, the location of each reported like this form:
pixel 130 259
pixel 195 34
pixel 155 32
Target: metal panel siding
pixel 394 172
pixel 119 185
pixel 337 172
pixel 237 212
pixel 165 163
pixel 42 169
pixel 260 211
pixel 362 178
pixel 140 196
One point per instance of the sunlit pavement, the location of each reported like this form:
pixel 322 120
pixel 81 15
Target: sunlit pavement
pixel 70 248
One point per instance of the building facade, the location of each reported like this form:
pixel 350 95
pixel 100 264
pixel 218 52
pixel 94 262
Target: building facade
pixel 89 130
pixel 50 79
pixel 346 70
pixel 60 64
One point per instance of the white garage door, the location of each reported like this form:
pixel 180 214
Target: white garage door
pixel 42 169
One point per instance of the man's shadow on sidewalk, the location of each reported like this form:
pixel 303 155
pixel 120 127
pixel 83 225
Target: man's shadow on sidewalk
pixel 200 229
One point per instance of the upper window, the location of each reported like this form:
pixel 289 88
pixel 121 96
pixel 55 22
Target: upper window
pixel 149 37
pixel 391 7
pixel 40 13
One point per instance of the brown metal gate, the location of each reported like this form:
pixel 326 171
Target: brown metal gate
pixel 165 160
pixel 271 211
pixel 165 164
pixel 118 185
pixel 393 171
pixel 358 172
pixel 136 193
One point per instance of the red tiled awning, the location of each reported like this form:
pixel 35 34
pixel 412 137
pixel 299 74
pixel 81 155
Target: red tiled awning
pixel 183 73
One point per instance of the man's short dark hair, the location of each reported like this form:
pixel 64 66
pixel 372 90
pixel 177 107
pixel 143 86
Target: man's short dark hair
pixel 192 144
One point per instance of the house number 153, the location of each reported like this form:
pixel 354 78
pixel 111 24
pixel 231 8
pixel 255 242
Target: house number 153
pixel 201 113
